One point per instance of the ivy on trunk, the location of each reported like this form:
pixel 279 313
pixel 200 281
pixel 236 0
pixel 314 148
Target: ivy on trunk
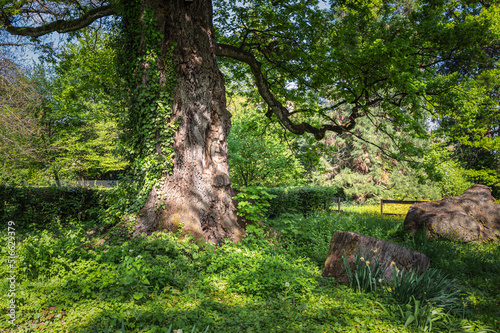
pixel 178 122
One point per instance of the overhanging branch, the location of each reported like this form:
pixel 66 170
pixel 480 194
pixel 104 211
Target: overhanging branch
pixel 275 106
pixel 61 26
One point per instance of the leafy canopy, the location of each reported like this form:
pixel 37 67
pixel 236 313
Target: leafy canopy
pixel 82 108
pixel 401 56
pixel 308 58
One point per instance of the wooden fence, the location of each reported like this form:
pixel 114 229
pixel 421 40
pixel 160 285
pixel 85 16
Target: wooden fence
pixel 338 200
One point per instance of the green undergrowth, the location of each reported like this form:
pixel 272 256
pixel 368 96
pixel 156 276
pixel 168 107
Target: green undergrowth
pixel 475 266
pixel 310 235
pixel 70 279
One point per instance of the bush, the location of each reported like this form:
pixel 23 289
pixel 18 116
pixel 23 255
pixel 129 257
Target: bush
pixel 41 252
pixel 45 206
pixel 253 202
pixel 455 180
pixel 300 199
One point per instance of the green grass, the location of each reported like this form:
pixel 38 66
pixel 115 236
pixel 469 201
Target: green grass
pixel 72 281
pixel 389 208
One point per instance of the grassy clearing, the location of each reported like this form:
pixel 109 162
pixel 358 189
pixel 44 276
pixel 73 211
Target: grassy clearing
pixel 389 208
pixel 69 281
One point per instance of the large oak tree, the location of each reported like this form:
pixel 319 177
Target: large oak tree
pixel 318 69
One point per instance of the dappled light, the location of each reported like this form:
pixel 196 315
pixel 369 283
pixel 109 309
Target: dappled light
pixel 265 165
pixel 72 280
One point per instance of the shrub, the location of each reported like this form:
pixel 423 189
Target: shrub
pixel 40 253
pixel 253 202
pixel 300 199
pixel 454 179
pixel 46 206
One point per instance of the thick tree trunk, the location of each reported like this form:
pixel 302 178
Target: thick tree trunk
pixel 198 194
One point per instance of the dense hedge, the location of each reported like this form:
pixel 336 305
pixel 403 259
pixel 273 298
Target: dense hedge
pixel 43 206
pixel 300 199
pixel 48 207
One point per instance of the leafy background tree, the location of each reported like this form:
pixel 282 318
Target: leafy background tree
pixel 452 178
pixel 22 146
pixel 258 155
pixel 469 128
pixel 60 117
pixel 83 103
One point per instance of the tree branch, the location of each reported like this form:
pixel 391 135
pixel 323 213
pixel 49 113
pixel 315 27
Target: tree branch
pixel 275 106
pixel 13 44
pixel 61 26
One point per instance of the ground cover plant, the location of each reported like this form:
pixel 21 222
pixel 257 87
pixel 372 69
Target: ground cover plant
pixel 72 280
pixel 357 99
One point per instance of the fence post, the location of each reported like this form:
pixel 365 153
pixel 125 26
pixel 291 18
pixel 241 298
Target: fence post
pixel 381 206
pixel 338 200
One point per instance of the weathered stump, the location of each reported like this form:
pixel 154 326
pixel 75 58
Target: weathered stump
pixel 389 254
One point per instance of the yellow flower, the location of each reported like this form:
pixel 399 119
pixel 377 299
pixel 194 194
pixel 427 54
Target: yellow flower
pixel 367 263
pixel 375 251
pixel 392 263
pixel 362 259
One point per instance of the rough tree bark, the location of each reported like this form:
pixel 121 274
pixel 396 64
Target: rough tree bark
pixel 198 194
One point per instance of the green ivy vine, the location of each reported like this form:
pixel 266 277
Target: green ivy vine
pixel 147 127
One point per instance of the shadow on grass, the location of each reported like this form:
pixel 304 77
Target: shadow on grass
pixel 223 316
pixel 97 291
pixel 90 292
